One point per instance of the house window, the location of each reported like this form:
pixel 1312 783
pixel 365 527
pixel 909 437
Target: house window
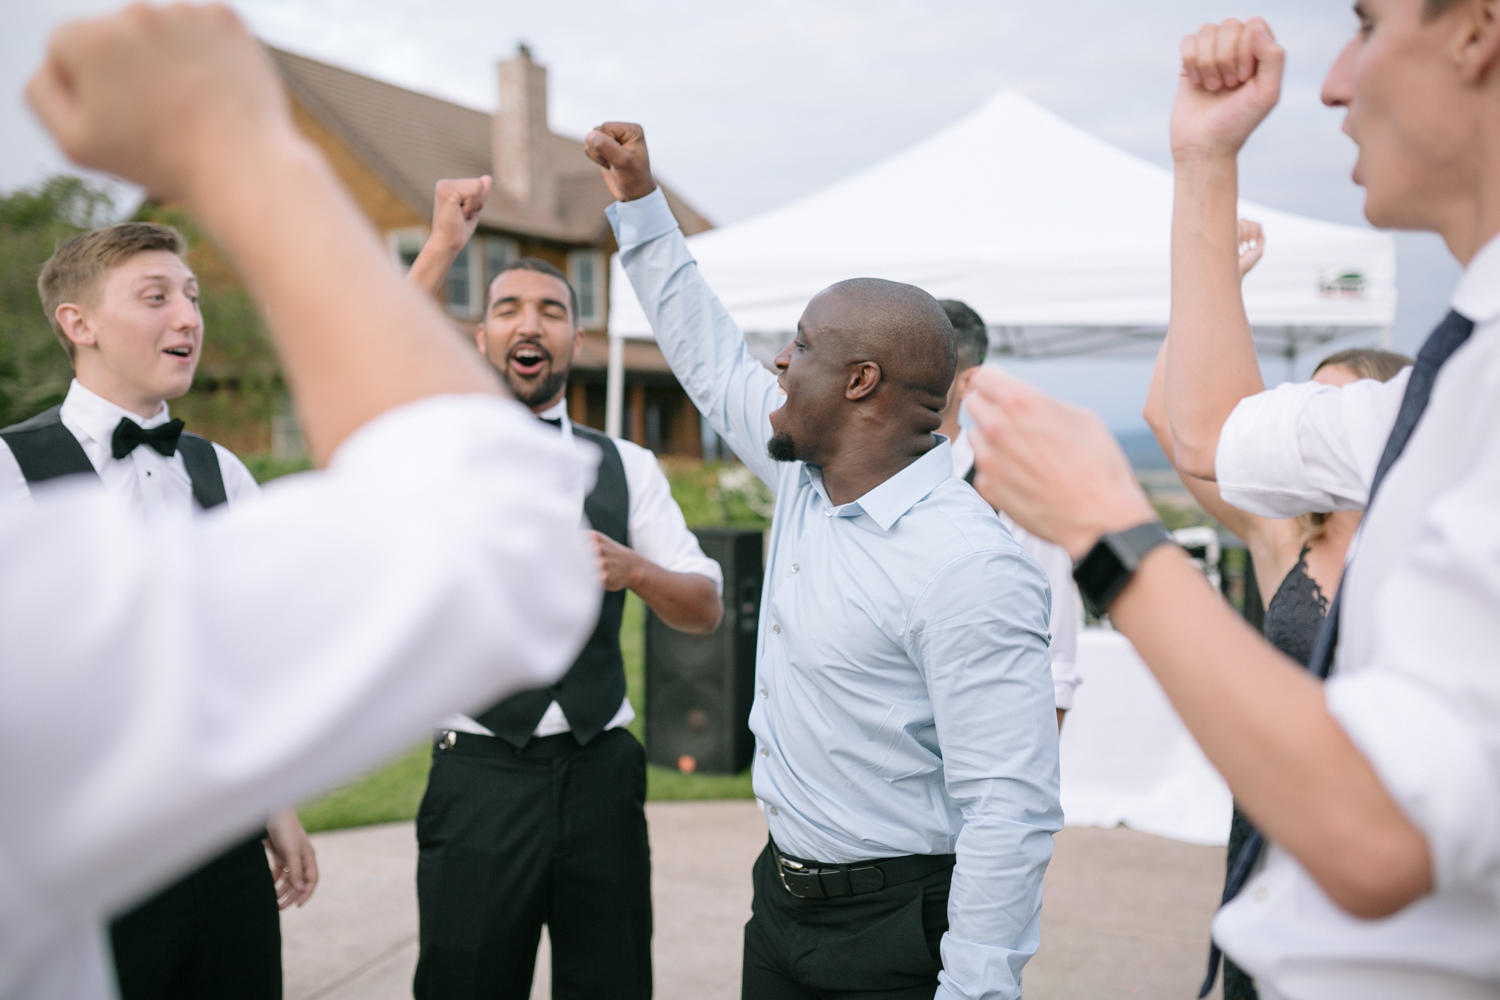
pixel 405 244
pixel 464 283
pixel 586 272
pixel 498 251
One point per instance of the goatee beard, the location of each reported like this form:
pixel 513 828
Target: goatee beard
pixel 534 394
pixel 781 448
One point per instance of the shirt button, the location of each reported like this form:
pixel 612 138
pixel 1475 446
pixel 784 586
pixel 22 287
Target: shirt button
pixel 773 811
pixel 828 513
pixel 776 629
pixel 764 752
pixel 764 693
pixel 795 567
pixel 1261 894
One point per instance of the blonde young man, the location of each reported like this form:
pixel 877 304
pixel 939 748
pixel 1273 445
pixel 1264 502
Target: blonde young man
pixel 124 305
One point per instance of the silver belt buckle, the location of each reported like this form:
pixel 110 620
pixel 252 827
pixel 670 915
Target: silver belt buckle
pixel 798 871
pixel 449 738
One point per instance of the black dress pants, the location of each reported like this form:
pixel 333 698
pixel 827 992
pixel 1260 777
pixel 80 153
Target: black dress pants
pixel 513 839
pixel 881 945
pixel 213 935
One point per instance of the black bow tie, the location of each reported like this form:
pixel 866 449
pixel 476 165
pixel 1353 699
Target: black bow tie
pixel 128 434
pixel 554 421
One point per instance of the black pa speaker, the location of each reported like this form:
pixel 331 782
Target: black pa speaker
pixel 699 687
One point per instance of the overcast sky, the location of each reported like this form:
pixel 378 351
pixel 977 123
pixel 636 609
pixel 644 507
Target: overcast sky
pixel 751 104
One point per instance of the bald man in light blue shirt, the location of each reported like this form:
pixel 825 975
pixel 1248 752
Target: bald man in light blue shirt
pixel 906 741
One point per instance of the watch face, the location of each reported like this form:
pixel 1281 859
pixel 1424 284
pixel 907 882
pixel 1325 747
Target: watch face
pixel 1099 577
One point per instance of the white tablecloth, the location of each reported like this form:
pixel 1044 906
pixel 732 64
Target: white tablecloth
pixel 1126 756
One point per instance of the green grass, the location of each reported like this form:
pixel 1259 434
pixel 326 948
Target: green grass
pixel 387 795
pixel 394 791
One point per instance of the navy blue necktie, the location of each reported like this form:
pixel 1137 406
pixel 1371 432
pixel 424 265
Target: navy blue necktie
pixel 1449 336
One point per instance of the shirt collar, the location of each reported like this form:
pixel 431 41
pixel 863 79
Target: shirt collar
pixel 888 502
pixel 98 417
pixel 1477 296
pixel 557 411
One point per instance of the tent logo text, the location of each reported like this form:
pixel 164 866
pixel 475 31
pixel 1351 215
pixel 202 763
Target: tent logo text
pixel 1341 284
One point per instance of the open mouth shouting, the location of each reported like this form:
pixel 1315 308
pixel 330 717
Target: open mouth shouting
pixel 529 359
pixel 183 351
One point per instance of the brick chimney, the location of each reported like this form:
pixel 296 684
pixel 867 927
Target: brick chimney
pixel 519 136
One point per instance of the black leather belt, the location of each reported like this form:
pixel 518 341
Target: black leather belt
pixel 820 880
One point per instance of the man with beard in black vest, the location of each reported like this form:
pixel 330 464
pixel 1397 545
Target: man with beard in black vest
pixel 535 808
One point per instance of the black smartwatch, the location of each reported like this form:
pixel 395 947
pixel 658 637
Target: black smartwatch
pixel 1110 564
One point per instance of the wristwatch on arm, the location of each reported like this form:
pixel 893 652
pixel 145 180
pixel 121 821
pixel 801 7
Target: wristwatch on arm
pixel 1109 565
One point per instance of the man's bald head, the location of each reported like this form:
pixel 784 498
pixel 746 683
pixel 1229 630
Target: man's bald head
pixel 900 327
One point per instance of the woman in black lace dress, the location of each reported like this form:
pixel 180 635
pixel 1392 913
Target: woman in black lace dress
pixel 1299 562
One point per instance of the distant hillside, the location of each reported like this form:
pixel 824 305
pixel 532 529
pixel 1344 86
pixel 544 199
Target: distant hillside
pixel 1143 451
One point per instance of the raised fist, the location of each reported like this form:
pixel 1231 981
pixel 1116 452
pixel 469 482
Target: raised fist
pixel 1231 79
pixel 620 150
pixel 455 210
pixel 159 96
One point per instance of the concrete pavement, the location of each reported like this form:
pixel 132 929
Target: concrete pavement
pixel 1126 914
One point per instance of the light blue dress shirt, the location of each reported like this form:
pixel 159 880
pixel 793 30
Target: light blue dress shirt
pixel 904 697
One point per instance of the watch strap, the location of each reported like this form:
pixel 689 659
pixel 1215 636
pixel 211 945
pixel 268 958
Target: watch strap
pixel 1110 564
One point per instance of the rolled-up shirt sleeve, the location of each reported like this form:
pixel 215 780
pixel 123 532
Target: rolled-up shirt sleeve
pixel 1424 712
pixel 705 349
pixel 1305 447
pixel 979 635
pixel 167 685
pixel 658 531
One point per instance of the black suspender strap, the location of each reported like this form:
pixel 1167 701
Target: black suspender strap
pixel 45 449
pixel 202 463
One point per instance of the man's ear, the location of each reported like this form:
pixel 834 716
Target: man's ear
pixel 75 325
pixel 577 343
pixel 961 383
pixel 862 381
pixel 1478 44
pixel 479 340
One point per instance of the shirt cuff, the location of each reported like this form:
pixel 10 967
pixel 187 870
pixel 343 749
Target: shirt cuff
pixel 1402 729
pixel 1062 692
pixel 641 220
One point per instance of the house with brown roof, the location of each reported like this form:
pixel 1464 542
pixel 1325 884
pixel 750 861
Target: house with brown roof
pixel 390 146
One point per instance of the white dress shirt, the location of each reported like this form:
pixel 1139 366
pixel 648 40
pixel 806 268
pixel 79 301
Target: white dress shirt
pixel 903 696
pixel 1058 565
pixel 1416 679
pixel 658 533
pixel 213 667
pixel 145 481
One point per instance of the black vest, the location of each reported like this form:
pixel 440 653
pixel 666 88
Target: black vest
pixel 45 449
pixel 592 690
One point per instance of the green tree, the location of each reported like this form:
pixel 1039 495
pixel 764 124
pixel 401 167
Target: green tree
pixel 34 369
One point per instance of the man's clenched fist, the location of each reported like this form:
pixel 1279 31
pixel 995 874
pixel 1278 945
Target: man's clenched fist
pixel 1054 468
pixel 1231 79
pixel 455 210
pixel 620 150
pixel 159 96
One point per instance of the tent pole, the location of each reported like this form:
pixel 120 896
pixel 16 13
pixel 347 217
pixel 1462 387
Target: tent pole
pixel 614 388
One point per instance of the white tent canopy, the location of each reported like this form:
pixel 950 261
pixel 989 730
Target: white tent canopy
pixel 1058 239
